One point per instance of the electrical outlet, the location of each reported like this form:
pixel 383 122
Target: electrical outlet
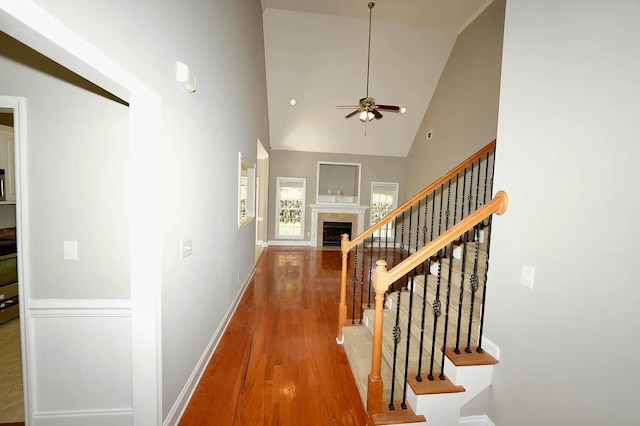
pixel 185 248
pixel 70 250
pixel 429 134
pixel 526 279
pixel 238 277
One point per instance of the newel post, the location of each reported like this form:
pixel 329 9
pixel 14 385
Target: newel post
pixel 374 393
pixel 342 308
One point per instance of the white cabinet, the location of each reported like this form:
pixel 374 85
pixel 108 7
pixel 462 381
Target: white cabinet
pixel 7 161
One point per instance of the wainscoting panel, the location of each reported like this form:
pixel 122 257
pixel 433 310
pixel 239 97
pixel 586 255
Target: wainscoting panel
pixel 80 362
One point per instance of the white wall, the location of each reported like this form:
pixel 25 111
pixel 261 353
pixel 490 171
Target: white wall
pixel 221 40
pixel 567 155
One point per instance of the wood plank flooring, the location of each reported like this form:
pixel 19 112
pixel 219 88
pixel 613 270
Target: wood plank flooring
pixel 278 362
pixel 11 405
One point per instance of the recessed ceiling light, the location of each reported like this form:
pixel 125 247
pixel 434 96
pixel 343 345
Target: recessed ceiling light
pixel 292 102
pixel 403 110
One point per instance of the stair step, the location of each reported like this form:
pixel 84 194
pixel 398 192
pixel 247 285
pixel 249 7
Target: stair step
pixel 417 283
pixel 452 331
pixel 358 344
pixel 414 348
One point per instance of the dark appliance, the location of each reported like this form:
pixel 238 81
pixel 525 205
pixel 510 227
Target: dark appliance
pixel 8 280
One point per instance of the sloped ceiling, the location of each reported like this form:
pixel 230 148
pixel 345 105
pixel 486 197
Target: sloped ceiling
pixel 316 52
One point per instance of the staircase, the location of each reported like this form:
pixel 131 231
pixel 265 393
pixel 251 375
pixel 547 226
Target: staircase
pixel 414 333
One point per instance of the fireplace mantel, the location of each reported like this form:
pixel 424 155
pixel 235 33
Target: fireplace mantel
pixel 330 208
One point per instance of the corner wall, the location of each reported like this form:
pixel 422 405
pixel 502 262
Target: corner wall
pixel 568 157
pixel 463 111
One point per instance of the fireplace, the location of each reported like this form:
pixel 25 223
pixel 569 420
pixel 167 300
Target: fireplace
pixel 332 232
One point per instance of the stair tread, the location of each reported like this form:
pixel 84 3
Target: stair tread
pixel 356 338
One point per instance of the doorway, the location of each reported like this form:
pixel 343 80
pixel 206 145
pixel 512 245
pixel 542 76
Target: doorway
pixel 12 324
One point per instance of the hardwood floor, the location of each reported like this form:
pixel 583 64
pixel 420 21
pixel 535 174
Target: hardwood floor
pixel 278 362
pixel 11 405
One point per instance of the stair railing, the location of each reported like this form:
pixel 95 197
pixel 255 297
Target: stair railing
pixel 383 279
pixel 466 187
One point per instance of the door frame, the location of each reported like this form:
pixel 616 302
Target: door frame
pixel 18 107
pixel 32 25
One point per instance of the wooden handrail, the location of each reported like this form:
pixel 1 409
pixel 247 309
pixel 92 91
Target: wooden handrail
pixel 388 218
pixel 497 205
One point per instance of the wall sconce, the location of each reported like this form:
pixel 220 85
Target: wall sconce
pixel 185 77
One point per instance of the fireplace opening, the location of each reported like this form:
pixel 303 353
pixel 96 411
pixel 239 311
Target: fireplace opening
pixel 332 232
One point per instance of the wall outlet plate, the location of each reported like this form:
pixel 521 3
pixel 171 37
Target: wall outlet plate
pixel 526 278
pixel 185 248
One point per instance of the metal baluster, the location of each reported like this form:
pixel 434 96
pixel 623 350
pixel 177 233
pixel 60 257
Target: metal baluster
pixel 410 309
pixel 461 298
pixel 437 309
pixel 370 268
pixel 437 304
pixel 484 289
pixel 448 295
pixel 397 334
pixel 425 268
pixel 362 286
pixel 473 280
pixel 355 283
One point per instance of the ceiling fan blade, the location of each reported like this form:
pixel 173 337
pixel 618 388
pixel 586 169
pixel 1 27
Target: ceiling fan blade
pixel 388 107
pixel 376 113
pixel 352 114
pixel 348 106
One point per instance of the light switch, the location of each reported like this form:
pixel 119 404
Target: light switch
pixel 185 248
pixel 70 249
pixel 526 279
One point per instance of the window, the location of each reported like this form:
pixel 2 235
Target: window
pixel 290 207
pixel 384 199
pixel 246 190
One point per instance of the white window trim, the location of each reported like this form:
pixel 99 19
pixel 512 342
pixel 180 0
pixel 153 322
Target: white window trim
pixel 303 209
pixel 396 186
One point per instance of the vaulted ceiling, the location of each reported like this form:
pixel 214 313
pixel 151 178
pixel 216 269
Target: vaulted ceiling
pixel 316 53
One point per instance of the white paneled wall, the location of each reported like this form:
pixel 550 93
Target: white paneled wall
pixel 81 360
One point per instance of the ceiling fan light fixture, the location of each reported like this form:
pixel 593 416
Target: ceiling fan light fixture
pixel 366 116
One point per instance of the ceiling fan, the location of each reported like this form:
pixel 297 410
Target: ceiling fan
pixel 367 109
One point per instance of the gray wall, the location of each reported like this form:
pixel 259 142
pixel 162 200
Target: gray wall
pixel 567 156
pixel 77 159
pixel 222 42
pixel 463 111
pixel 305 165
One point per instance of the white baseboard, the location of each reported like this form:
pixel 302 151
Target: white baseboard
pixel 122 417
pixel 482 420
pixel 297 243
pixel 179 407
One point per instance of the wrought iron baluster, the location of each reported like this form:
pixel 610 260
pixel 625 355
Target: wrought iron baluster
pixel 425 267
pixel 362 285
pixel 410 311
pixel 437 310
pixel 484 288
pixel 465 239
pixel 473 286
pixel 354 279
pixel 370 268
pixel 397 335
pixel 446 313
